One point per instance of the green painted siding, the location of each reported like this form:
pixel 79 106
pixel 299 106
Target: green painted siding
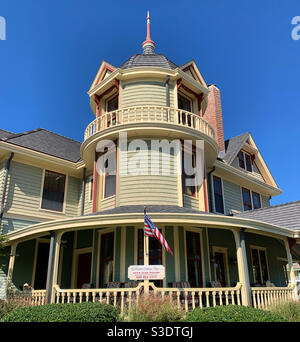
pixel 265 201
pixel 11 224
pixel 24 187
pixel 274 249
pixel 72 196
pixel 232 196
pixel 84 238
pixel 170 264
pixel 129 249
pixel 146 93
pixel 24 263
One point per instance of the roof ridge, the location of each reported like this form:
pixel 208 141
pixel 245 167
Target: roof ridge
pixel 236 136
pixel 22 133
pixel 46 130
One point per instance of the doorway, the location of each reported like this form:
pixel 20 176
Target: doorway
pixel 41 267
pixel 106 259
pixel 193 254
pixel 221 265
pixel 84 266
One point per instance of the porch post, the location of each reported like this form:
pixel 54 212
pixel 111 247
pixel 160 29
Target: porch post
pixel 11 264
pixel 292 277
pixel 53 266
pixel 242 266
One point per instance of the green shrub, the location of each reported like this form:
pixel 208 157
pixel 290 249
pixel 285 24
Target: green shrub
pixel 8 306
pixel 232 313
pixel 73 312
pixel 154 308
pixel 289 310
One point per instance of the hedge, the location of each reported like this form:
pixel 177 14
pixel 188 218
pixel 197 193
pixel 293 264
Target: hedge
pixel 232 313
pixel 73 312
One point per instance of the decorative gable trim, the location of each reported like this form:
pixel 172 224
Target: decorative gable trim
pixel 104 70
pixel 192 70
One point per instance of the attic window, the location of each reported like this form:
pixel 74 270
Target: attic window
pixel 245 161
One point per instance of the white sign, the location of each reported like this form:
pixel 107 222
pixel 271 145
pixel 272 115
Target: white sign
pixel 141 272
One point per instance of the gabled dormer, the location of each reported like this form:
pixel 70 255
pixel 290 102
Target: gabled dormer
pixel 243 154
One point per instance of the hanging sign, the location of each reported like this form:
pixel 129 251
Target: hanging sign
pixel 151 272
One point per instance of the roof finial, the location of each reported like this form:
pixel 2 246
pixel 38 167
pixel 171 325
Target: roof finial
pixel 148 45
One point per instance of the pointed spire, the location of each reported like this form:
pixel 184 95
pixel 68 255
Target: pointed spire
pixel 148 45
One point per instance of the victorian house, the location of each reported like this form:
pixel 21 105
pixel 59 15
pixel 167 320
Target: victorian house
pixel 73 232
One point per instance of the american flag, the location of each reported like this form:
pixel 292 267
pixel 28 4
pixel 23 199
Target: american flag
pixel 152 231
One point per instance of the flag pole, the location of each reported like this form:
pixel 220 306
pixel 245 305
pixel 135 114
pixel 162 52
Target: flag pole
pixel 146 256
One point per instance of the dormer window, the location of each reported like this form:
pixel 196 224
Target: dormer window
pixel 245 161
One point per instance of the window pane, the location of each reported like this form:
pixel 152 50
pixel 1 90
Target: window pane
pixel 247 199
pixel 54 191
pixel 248 162
pixel 110 185
pixel 112 104
pixel 219 206
pixel 256 200
pixel 187 180
pixel 241 160
pixel 184 103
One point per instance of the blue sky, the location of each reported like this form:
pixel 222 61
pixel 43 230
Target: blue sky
pixel 54 49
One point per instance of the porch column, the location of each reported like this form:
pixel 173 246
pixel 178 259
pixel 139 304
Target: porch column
pixel 11 265
pixel 242 266
pixel 292 276
pixel 53 262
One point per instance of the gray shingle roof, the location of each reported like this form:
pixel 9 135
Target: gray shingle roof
pixel 47 142
pixel 233 146
pixel 5 134
pixel 286 215
pixel 155 60
pixel 150 209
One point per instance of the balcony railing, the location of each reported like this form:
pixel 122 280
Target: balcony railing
pixel 148 114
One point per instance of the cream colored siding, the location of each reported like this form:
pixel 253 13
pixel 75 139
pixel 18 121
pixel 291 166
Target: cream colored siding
pixel 232 197
pixel 24 187
pixel 108 203
pixel 72 196
pixel 190 202
pixel 148 188
pixel 145 93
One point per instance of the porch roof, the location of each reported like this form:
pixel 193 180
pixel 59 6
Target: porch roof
pixel 286 215
pixel 126 209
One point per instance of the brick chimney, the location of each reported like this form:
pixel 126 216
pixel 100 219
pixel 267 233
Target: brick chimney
pixel 213 115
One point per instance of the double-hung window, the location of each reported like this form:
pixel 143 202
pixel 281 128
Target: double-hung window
pixel 245 161
pixel 53 191
pixel 259 265
pixel 218 195
pixel 251 199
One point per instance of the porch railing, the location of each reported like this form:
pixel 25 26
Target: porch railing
pixel 123 298
pixel 145 114
pixel 262 297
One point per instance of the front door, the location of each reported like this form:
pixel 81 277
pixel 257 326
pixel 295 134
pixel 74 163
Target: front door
pixel 193 252
pixel 106 259
pixel 84 266
pixel 41 266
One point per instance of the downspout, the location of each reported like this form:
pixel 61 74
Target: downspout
pixel 167 94
pixel 83 193
pixel 210 188
pixel 7 167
